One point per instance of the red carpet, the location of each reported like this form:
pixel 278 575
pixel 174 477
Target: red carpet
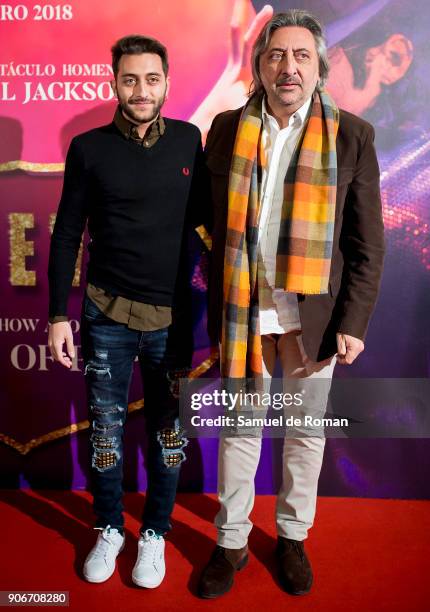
pixel 367 555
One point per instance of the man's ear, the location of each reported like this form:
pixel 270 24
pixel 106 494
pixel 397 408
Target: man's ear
pixel 167 86
pixel 113 86
pixel 398 53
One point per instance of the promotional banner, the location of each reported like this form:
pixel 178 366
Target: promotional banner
pixel 55 74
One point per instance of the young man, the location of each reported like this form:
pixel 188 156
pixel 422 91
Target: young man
pixel 298 239
pixel 137 183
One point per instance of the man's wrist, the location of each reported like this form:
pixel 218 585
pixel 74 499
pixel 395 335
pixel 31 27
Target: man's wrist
pixel 58 319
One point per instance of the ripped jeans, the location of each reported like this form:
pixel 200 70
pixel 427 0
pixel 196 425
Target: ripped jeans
pixel 109 350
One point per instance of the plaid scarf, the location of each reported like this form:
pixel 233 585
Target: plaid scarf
pixel 306 232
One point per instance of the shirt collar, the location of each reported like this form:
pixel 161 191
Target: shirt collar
pixel 299 116
pixel 129 129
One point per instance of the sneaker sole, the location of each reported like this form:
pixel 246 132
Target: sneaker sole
pixel 145 585
pixel 99 581
pixel 94 581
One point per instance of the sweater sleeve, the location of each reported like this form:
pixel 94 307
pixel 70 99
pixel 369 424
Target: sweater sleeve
pixel 69 226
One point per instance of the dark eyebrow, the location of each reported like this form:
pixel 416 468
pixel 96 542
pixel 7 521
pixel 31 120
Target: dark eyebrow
pixel 130 74
pixel 294 50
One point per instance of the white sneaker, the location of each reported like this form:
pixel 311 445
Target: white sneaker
pixel 100 562
pixel 150 567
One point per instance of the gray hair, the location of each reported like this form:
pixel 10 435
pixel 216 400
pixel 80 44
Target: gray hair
pixel 297 18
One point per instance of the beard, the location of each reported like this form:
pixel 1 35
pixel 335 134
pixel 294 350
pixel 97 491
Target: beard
pixel 141 115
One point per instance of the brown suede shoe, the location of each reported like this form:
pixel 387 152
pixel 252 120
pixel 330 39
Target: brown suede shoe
pixel 218 575
pixel 294 569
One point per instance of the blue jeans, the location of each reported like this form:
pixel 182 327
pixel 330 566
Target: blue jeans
pixel 109 350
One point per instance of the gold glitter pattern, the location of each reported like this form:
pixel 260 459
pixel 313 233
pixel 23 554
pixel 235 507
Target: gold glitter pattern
pixel 204 236
pixel 20 248
pixel 19 164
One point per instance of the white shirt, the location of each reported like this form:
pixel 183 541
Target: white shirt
pixel 279 310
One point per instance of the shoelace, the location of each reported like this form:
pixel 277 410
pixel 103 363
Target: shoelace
pixel 148 547
pixel 103 543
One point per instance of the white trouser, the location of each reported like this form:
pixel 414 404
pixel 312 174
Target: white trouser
pixel 301 462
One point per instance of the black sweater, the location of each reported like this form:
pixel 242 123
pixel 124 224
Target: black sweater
pixel 137 202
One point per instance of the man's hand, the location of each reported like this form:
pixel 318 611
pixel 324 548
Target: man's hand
pixel 348 348
pixel 60 333
pixel 232 87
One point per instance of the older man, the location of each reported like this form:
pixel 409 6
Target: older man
pixel 298 240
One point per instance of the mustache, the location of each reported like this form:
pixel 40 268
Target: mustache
pixel 288 81
pixel 140 100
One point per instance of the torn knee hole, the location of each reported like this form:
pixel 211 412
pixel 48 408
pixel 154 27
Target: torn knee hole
pixel 105 453
pixel 172 442
pixel 101 409
pixel 102 442
pixel 104 460
pixel 97 370
pixel 104 428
